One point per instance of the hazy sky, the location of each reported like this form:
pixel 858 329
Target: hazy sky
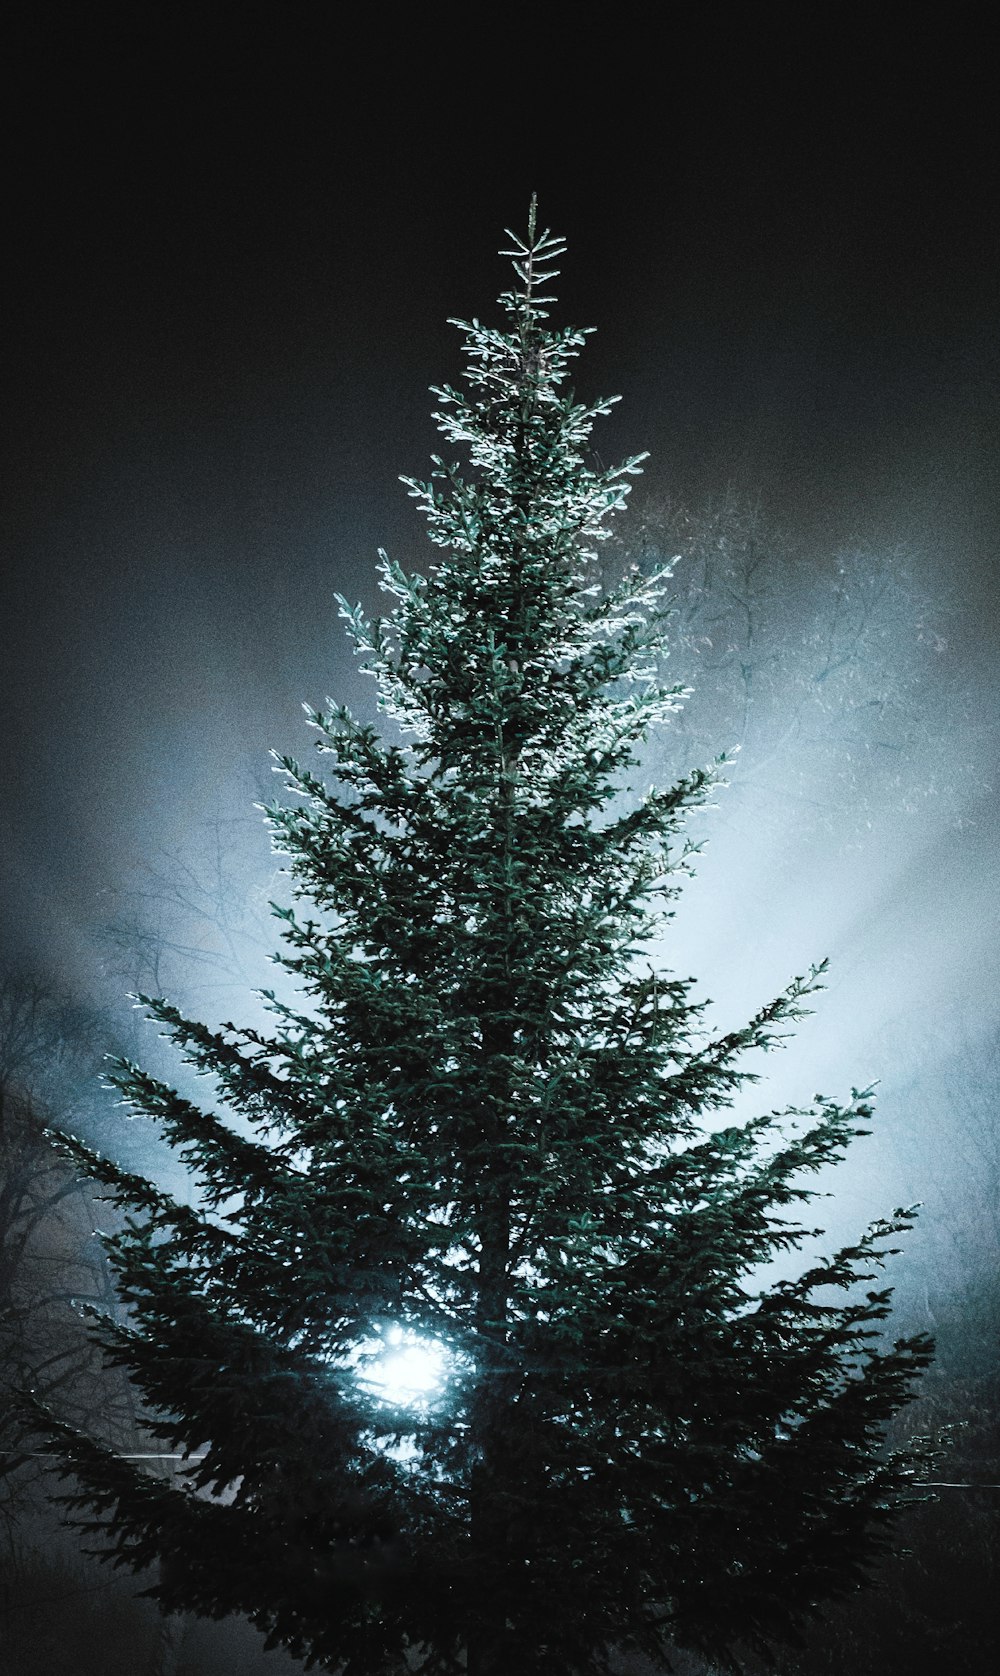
pixel 229 263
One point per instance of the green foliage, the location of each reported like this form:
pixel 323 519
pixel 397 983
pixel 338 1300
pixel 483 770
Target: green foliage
pixel 489 1123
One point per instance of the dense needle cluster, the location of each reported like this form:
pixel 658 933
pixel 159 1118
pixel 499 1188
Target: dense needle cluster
pixel 491 1124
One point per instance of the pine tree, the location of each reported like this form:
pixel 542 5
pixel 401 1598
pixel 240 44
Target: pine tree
pixel 491 1131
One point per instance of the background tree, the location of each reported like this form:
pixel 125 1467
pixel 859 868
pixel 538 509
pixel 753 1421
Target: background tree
pixel 834 673
pixel 49 1257
pixel 488 1134
pixel 195 917
pixel 51 1264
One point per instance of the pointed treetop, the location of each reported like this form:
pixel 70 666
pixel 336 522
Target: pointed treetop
pixel 531 259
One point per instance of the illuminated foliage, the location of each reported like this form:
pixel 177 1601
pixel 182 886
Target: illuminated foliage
pixel 490 1128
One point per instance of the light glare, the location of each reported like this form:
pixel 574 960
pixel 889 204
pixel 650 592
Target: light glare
pixel 409 1373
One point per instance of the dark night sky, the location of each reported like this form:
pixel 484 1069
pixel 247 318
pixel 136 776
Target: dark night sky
pixel 229 261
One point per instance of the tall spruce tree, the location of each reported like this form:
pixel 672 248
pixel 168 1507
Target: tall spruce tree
pixel 491 1129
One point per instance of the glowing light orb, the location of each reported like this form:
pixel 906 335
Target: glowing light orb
pixel 410 1371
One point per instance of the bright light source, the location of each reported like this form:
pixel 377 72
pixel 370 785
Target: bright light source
pixel 409 1372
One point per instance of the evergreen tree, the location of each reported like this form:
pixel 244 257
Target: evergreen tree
pixel 490 1132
